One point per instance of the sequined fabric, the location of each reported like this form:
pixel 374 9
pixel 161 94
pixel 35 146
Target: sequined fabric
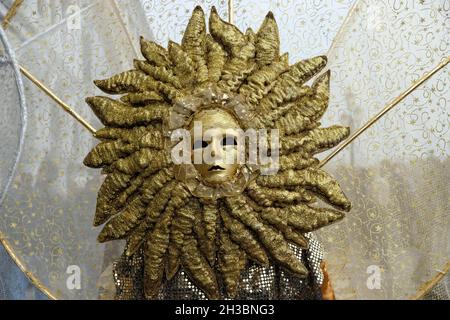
pixel 266 283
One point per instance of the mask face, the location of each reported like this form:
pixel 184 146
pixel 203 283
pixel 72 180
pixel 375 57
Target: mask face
pixel 215 146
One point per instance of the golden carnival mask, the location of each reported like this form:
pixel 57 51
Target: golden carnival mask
pixel 221 145
pixel 210 219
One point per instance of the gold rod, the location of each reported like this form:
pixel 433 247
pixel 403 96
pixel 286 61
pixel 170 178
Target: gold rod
pixel 11 13
pixel 55 98
pixel 387 108
pixel 35 281
pixel 3 240
pixel 230 11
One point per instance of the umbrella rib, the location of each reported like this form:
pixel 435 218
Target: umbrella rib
pixel 230 11
pixel 385 110
pixel 11 13
pixel 127 32
pixel 341 147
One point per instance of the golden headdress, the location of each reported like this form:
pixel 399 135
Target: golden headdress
pixel 142 198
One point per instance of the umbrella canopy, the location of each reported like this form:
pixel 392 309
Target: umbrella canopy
pixel 395 172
